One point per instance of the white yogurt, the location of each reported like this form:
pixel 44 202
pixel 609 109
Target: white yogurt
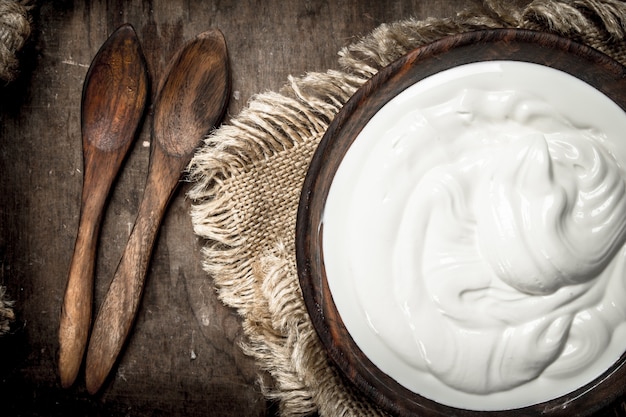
pixel 474 236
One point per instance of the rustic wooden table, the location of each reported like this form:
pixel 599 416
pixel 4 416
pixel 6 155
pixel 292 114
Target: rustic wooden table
pixel 183 356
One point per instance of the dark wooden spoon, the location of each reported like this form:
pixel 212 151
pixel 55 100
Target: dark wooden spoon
pixel 113 102
pixel 191 101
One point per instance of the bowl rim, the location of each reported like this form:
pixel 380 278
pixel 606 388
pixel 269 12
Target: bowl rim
pixel 587 64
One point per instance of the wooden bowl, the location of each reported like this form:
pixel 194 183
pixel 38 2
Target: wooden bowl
pixel 596 69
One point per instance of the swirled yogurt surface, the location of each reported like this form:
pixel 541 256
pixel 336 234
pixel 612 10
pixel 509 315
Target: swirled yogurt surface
pixel 474 234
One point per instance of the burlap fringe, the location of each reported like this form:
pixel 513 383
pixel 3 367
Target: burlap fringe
pixel 256 274
pixel 15 29
pixel 6 312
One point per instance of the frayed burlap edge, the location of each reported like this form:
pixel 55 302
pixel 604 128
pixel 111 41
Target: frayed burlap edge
pixel 248 175
pixel 6 312
pixel 15 29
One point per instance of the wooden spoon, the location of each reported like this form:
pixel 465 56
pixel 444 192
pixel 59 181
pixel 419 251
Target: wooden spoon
pixel 191 101
pixel 113 102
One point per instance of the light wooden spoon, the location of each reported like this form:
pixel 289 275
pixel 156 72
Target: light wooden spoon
pixel 191 101
pixel 113 102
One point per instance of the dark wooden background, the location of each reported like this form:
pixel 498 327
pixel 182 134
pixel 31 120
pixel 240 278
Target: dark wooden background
pixel 183 357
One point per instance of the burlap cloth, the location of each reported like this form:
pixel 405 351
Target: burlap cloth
pixel 248 175
pixel 15 28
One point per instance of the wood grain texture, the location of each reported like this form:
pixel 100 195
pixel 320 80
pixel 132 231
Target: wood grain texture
pixel 183 357
pixel 596 69
pixel 114 97
pixel 191 101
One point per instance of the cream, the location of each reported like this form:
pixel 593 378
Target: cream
pixel 474 236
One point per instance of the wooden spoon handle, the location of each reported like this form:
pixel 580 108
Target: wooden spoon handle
pixel 77 303
pixel 118 310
